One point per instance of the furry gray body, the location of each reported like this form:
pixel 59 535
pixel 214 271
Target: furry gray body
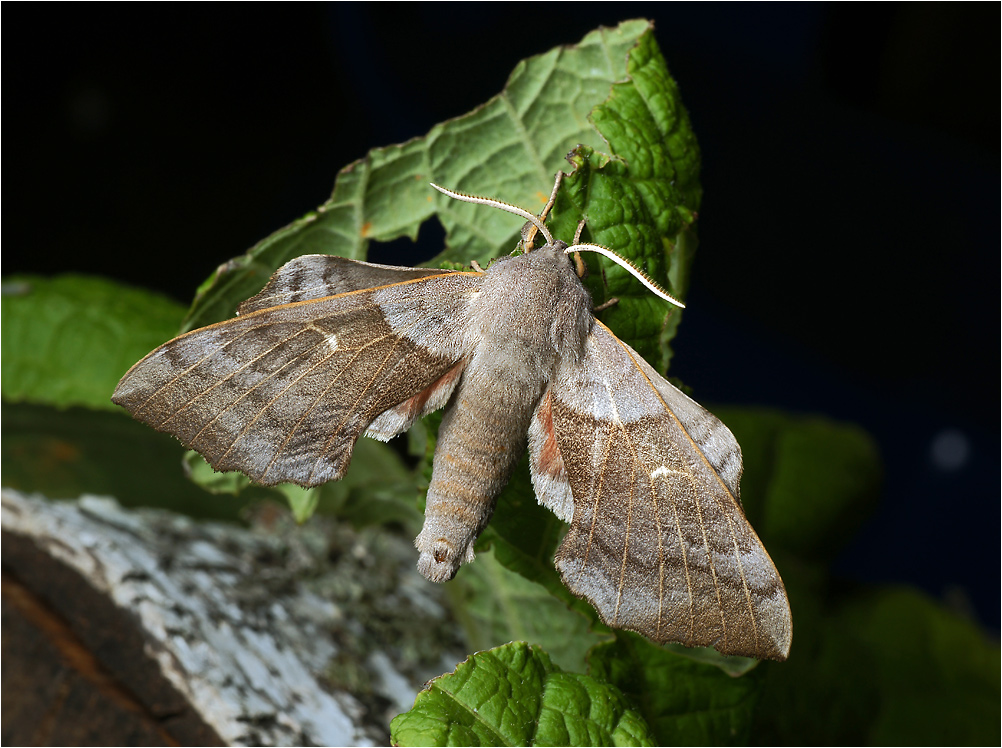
pixel 513 354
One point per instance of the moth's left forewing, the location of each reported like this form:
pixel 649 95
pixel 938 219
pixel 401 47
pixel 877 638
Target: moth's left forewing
pixel 283 393
pixel 430 321
pixel 658 542
pixel 311 277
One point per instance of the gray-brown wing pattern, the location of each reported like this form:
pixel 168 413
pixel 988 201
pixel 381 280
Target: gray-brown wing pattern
pixel 658 542
pixel 316 276
pixel 283 393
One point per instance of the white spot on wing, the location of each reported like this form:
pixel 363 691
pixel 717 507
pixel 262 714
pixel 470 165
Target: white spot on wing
pixel 664 471
pixel 332 342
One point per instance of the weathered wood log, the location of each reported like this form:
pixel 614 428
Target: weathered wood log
pixel 143 627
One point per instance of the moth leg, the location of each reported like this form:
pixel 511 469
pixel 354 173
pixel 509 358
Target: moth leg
pixel 529 231
pixel 579 267
pixel 553 196
pixel 611 302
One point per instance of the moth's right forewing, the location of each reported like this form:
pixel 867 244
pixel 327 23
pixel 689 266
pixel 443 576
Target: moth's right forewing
pixel 713 439
pixel 282 394
pixel 658 541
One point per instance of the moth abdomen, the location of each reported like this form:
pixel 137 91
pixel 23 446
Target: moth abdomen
pixel 480 441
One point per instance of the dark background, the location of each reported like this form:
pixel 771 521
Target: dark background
pixel 850 163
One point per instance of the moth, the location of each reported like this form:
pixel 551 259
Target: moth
pixel 333 348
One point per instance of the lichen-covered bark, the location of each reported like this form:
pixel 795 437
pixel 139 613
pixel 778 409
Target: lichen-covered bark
pixel 177 631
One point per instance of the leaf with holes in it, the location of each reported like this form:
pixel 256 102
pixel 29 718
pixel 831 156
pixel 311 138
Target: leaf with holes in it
pixel 609 92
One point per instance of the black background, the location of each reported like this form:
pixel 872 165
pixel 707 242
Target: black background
pixel 847 263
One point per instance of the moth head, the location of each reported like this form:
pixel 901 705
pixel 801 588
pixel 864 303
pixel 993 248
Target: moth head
pixel 535 223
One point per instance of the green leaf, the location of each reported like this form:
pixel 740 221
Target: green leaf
pixel 640 199
pixel 684 702
pixel 201 473
pixel 67 340
pixel 514 695
pixel 825 693
pixel 883 666
pixel 937 674
pixel 66 452
pixel 809 483
pixel 302 501
pixel 496 605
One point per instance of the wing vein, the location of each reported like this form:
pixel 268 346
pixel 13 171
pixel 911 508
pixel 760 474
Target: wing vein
pixel 629 518
pixel 685 567
pixel 333 436
pixel 713 568
pixel 626 543
pixel 195 365
pixel 741 571
pixel 269 377
pixel 598 499
pixel 309 410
